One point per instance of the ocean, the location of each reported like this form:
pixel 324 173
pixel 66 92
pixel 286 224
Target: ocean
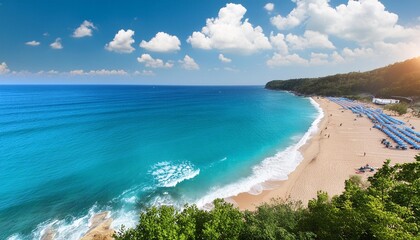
pixel 69 152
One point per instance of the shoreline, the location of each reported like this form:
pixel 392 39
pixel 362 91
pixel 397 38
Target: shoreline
pixel 297 186
pixel 330 156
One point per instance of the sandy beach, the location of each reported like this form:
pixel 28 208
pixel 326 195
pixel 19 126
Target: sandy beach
pixel 342 144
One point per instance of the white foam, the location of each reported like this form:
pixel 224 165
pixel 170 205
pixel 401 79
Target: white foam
pixel 122 217
pixel 277 167
pixel 14 237
pixel 72 229
pixel 170 174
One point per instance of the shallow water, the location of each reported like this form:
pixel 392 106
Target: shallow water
pixel 68 152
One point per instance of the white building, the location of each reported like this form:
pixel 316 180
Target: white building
pixel 382 101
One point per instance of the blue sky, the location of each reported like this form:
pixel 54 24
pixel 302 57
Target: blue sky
pixel 200 42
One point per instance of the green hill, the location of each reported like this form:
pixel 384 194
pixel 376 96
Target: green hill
pixel 399 79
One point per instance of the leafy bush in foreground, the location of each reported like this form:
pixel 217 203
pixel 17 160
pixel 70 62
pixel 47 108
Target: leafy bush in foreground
pixel 387 207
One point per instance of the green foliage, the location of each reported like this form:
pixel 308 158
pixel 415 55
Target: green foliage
pixel 275 220
pixel 399 79
pixel 223 222
pixel 400 108
pixel 385 207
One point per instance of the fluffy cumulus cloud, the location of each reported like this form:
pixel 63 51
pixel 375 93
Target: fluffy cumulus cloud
pixel 269 7
pixel 121 42
pixel 279 43
pixel 84 30
pixel 310 39
pixel 149 61
pixel 229 32
pixel 224 59
pixel 188 63
pixel 357 52
pixel 372 31
pixel 318 58
pixel 56 44
pixel 362 21
pixel 33 43
pixel 102 72
pixel 3 68
pixel 162 42
pixel 285 59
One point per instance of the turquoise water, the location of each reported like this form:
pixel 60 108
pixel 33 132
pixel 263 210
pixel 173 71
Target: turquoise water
pixel 68 152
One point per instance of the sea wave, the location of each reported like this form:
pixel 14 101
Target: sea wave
pixel 277 167
pixel 73 228
pixel 169 174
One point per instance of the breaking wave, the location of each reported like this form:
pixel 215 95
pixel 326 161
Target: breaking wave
pixel 170 174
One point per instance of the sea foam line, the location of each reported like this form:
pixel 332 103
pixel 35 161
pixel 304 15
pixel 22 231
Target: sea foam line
pixel 277 167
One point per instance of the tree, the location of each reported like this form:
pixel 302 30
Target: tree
pixel 385 207
pixel 224 222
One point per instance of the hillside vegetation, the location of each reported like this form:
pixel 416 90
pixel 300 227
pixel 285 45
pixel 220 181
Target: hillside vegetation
pixel 385 207
pixel 399 79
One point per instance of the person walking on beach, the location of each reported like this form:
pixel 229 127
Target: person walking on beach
pixel 364 154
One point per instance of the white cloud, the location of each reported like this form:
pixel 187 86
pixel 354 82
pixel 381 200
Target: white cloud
pixel 188 63
pixel 84 30
pixel 310 39
pixel 397 51
pixel 318 58
pixel 56 44
pixel 77 72
pixel 362 21
pixel 50 72
pixel 107 72
pixel 282 60
pixel 3 68
pixel 224 59
pixel 357 52
pixel 382 52
pixel 149 61
pixel 269 7
pixel 101 72
pixel 230 33
pixel 162 42
pixel 121 42
pixel 144 73
pixel 295 17
pixel 33 43
pixel 336 57
pixel 279 43
pixel 23 73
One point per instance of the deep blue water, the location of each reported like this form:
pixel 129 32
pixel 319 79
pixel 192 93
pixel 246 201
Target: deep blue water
pixel 68 152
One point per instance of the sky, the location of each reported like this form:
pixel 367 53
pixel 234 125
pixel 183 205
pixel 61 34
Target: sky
pixel 206 42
